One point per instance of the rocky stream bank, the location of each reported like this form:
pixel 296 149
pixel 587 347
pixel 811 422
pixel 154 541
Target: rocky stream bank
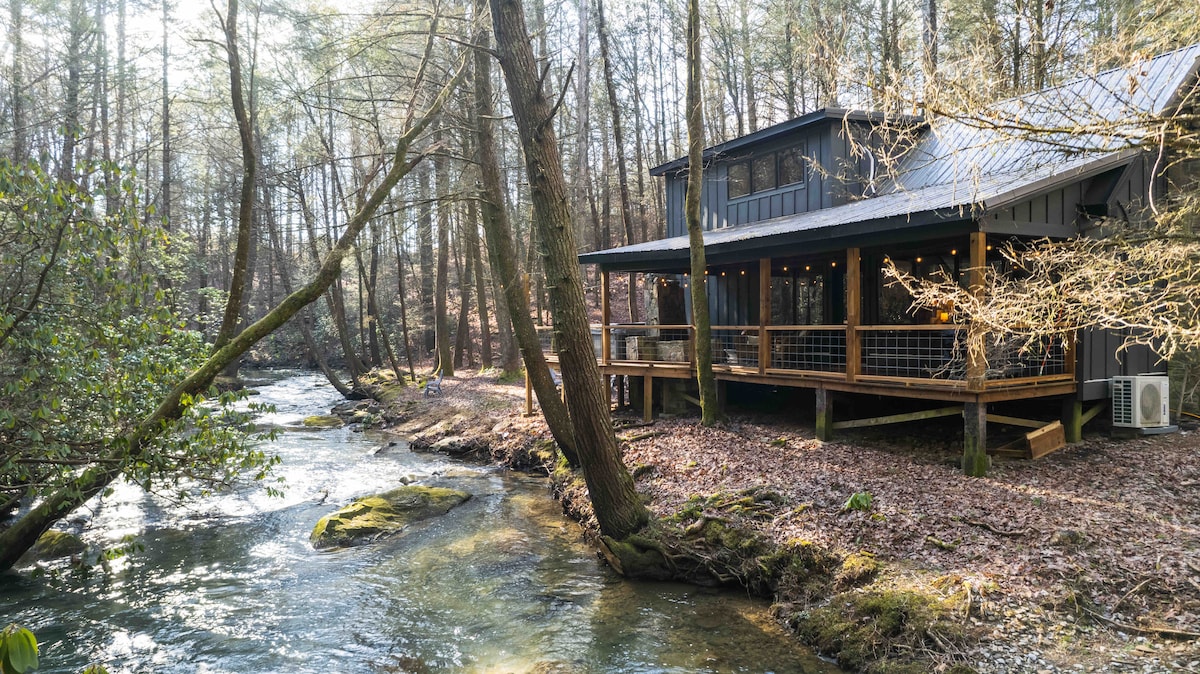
pixel 875 549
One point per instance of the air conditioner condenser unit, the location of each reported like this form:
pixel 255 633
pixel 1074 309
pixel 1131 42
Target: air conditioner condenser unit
pixel 1141 401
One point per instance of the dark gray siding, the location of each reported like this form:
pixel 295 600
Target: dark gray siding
pixel 1059 207
pixel 1098 362
pixel 732 299
pixel 821 189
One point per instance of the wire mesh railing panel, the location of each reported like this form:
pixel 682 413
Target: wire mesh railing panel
pixel 808 349
pixel 653 343
pixel 546 339
pixel 914 354
pixel 735 345
pixel 1022 356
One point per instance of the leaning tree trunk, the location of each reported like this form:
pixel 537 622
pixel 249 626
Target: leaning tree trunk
pixel 504 258
pixel 691 209
pixel 241 257
pixel 618 508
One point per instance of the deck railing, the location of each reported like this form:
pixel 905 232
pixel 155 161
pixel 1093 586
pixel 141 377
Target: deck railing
pixel 934 355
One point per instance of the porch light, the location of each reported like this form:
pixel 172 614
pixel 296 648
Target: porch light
pixel 785 268
pixel 722 273
pixel 807 267
pixel 919 260
pixel 832 264
pixel 989 247
pixel 743 272
pixel 954 251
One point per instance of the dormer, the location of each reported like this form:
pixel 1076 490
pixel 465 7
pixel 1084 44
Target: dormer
pixel 820 160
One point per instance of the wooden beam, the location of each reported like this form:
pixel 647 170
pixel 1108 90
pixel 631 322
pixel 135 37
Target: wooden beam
pixel 853 313
pixel 764 314
pixel 605 319
pixel 1091 414
pixel 899 418
pixel 976 365
pixel 1015 421
pixel 1048 438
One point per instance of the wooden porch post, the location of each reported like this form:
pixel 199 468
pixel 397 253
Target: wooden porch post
pixel 853 313
pixel 605 318
pixel 764 313
pixel 824 414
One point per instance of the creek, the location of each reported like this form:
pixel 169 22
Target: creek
pixel 228 583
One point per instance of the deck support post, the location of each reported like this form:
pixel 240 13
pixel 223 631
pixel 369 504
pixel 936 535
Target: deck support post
pixel 824 414
pixel 648 398
pixel 764 314
pixel 722 396
pixel 528 395
pixel 1072 420
pixel 975 461
pixel 853 313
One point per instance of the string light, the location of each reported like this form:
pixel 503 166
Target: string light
pixel 722 273
pixel 807 268
pixel 954 251
pixel 833 264
pixel 919 260
pixel 785 268
pixel 743 272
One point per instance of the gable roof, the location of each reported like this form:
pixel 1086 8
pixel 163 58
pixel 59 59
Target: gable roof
pixel 960 169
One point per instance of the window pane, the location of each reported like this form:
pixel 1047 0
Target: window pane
pixel 791 166
pixel 764 172
pixel 739 180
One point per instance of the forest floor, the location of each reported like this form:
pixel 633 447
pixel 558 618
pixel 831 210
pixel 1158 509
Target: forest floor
pixel 1085 560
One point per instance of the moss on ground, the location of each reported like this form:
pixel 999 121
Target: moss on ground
pixel 880 630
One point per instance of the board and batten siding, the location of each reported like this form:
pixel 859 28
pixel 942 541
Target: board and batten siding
pixel 819 190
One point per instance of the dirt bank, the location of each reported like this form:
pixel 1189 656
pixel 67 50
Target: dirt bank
pixel 1087 560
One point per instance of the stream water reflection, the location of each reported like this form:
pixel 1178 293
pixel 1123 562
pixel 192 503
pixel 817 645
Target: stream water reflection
pixel 504 583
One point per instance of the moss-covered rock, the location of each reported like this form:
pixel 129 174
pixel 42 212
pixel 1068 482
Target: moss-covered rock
pixel 53 545
pixel 373 517
pixel 323 421
pixel 879 630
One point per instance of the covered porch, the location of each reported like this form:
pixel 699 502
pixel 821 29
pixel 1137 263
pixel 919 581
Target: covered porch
pixel 827 320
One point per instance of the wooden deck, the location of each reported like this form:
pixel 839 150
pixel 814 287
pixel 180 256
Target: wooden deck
pixel 905 361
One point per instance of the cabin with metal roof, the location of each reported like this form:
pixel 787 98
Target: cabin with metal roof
pixel 799 218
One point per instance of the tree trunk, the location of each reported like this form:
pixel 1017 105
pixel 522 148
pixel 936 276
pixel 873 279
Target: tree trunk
pixel 445 361
pixel 699 286
pixel 504 258
pixel 400 254
pixel 472 243
pixel 466 281
pixel 241 259
pixel 615 501
pixel 425 258
pixel 16 38
pixel 619 143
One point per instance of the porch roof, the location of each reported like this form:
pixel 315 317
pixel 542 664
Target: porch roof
pixel 937 210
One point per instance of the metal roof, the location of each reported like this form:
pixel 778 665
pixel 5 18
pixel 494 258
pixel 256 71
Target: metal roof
pixel 961 169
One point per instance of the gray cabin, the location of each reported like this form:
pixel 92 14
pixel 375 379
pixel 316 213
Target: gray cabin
pixel 801 216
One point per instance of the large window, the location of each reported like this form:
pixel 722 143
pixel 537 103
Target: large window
pixel 766 171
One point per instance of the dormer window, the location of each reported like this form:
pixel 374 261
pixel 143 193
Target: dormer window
pixel 766 171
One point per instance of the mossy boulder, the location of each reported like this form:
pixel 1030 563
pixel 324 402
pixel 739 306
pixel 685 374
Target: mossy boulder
pixel 53 545
pixel 379 515
pixel 323 421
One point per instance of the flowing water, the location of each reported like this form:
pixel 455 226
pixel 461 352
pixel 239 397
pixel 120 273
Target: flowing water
pixel 504 583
